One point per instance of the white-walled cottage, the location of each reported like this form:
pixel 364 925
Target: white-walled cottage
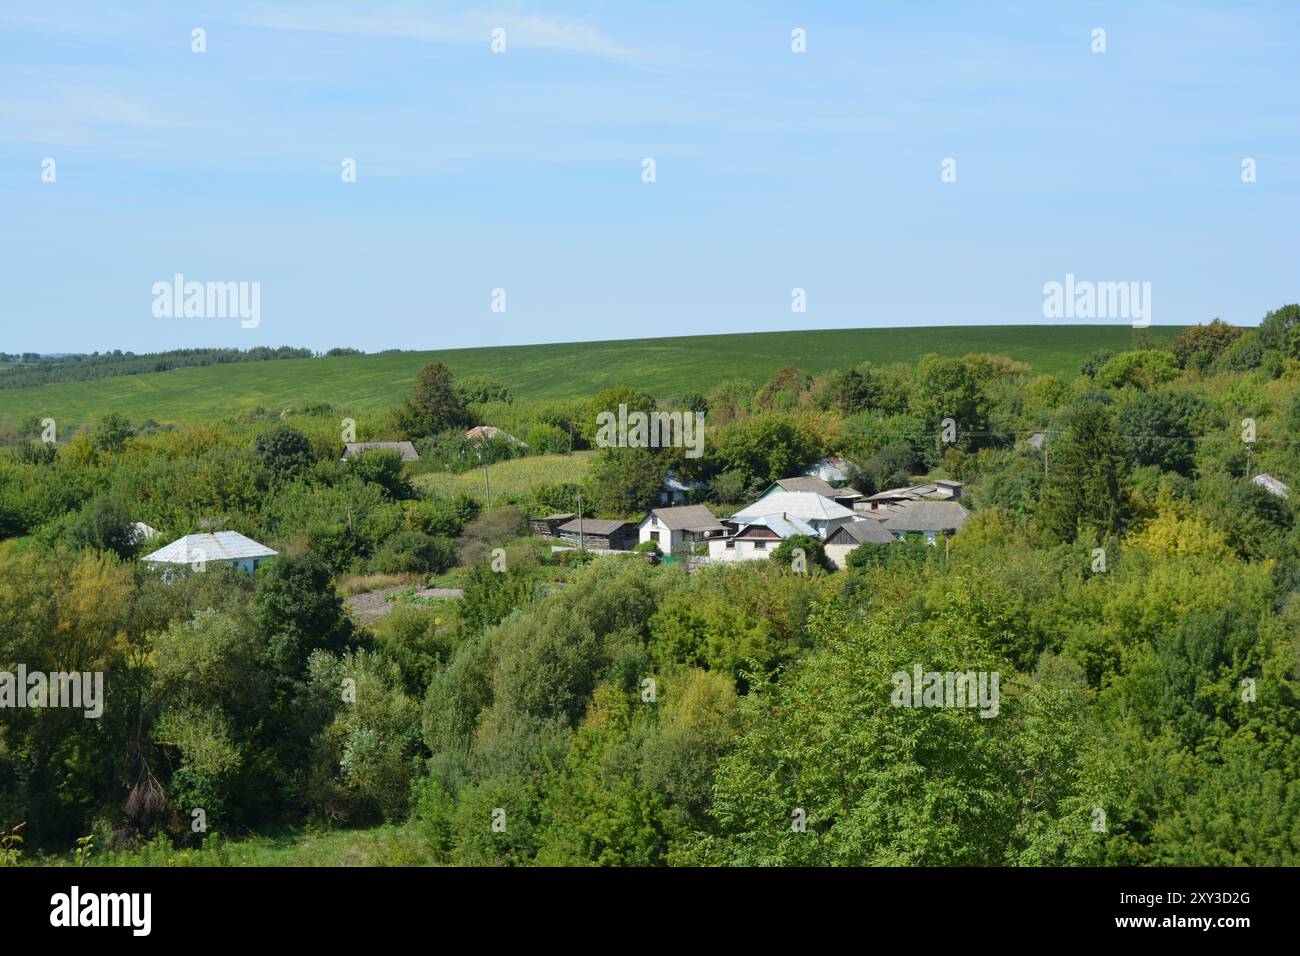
pixel 678 530
pixel 756 537
pixel 202 551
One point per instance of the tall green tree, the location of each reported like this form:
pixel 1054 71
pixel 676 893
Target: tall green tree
pixel 1085 485
pixel 434 407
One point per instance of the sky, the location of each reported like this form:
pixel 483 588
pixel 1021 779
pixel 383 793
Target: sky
pixel 523 170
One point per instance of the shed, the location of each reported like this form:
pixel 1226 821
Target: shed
pixel 600 534
pixel 547 524
pixel 848 536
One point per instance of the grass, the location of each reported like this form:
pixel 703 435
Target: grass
pixel 514 479
pixel 365 583
pixel 385 845
pixel 666 367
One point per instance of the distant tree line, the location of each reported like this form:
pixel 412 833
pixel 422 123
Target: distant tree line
pixel 30 368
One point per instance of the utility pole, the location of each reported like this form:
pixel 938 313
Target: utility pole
pixel 487 486
pixel 581 544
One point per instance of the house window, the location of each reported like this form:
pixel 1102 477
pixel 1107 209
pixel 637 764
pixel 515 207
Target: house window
pixel 654 536
pixel 760 545
pixel 731 546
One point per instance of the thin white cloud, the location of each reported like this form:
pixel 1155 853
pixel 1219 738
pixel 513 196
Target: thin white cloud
pixel 527 31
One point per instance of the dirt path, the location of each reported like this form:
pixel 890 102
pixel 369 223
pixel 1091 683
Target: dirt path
pixel 373 605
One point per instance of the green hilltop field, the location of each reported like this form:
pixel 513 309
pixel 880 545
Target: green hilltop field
pixel 663 366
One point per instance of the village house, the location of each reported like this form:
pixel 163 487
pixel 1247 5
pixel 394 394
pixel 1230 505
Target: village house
pixel 757 529
pixel 404 448
pixel 928 518
pixel 885 504
pixel 482 433
pixel 595 534
pixel 833 469
pixel 678 530
pixel 817 511
pixel 674 491
pixel 213 548
pixel 848 536
pixel 755 538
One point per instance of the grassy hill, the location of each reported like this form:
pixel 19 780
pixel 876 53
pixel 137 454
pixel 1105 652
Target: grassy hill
pixel 665 367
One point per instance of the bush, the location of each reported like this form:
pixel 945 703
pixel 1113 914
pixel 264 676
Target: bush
pixel 547 439
pixel 441 516
pixel 105 525
pixel 914 552
pixel 413 552
pixel 284 451
pixel 364 760
pixel 813 552
pixel 383 467
pixel 479 389
pixel 1244 354
pixel 418 640
pixel 491 529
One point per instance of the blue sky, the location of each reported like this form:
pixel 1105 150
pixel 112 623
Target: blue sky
pixel 522 170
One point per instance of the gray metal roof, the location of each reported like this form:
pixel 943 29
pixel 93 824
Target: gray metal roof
pixel 673 483
pixel 141 532
pixel 784 525
pixel 1271 484
pixel 212 546
pixel 830 468
pixel 864 532
pixel 803 483
pixel 687 518
pixel 807 505
pixel 597 526
pixel 925 516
